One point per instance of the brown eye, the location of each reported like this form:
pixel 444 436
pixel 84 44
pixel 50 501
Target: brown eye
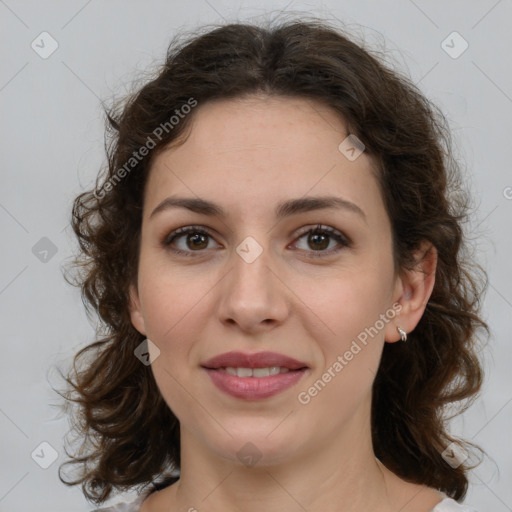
pixel 318 241
pixel 188 240
pixel 197 241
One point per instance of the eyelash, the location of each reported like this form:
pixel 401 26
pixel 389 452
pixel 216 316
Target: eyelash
pixel 319 229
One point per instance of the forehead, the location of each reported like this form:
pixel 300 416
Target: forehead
pixel 262 150
pixel 259 121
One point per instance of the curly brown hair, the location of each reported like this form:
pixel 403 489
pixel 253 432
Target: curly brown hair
pixel 119 409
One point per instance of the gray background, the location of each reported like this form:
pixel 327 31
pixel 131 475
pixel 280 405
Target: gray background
pixel 52 146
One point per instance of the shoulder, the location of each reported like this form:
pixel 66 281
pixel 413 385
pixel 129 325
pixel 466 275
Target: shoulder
pixel 132 506
pixel 449 505
pixel 147 496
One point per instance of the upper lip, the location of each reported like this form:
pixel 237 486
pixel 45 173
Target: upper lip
pixel 256 360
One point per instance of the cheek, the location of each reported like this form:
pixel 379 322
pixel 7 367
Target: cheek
pixel 169 297
pixel 176 305
pixel 173 313
pixel 350 337
pixel 343 306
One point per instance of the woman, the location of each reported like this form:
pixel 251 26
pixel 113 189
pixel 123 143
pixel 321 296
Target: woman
pixel 277 260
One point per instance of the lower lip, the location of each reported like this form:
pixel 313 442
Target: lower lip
pixel 254 388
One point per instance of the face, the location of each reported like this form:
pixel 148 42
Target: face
pixel 250 280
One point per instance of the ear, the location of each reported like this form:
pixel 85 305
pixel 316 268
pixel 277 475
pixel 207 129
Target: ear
pixel 413 290
pixel 136 310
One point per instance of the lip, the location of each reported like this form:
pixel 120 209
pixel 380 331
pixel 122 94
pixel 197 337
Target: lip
pixel 257 360
pixel 254 388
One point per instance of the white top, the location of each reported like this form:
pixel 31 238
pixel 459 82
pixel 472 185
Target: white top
pixel 447 505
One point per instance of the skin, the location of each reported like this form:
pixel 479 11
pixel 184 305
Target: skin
pixel 248 155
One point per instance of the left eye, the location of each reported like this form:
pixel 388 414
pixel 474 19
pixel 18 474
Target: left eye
pixel 320 238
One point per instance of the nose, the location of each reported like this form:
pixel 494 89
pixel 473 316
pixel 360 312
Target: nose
pixel 253 296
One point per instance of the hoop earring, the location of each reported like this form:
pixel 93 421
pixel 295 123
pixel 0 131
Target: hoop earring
pixel 403 334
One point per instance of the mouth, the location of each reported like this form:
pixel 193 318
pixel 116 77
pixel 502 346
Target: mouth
pixel 257 373
pixel 254 376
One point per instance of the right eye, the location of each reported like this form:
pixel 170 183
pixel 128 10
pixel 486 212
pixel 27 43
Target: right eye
pixel 192 239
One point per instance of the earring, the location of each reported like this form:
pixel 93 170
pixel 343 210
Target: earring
pixel 403 334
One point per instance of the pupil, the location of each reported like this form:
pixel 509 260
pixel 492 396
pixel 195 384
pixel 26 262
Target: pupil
pixel 314 239
pixel 198 239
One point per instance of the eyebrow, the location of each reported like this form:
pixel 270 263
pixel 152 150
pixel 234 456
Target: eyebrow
pixel 283 210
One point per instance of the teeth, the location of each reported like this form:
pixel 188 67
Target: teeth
pixel 256 372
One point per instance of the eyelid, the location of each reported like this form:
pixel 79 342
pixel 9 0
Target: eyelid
pixel 321 228
pixel 341 238
pixel 185 230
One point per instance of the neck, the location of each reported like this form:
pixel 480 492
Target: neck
pixel 346 473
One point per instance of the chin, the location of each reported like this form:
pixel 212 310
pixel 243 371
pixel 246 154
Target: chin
pixel 257 449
